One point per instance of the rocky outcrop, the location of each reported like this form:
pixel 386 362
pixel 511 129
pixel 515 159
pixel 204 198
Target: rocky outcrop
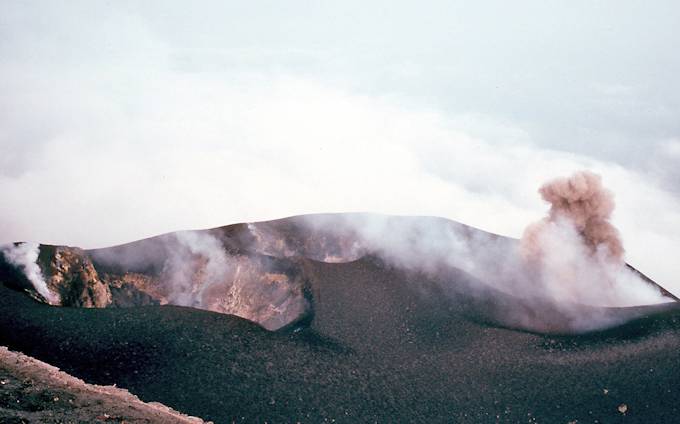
pixel 269 291
pixel 133 289
pixel 33 391
pixel 70 274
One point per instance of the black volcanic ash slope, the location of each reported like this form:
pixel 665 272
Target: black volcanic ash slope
pixel 368 342
pixel 376 350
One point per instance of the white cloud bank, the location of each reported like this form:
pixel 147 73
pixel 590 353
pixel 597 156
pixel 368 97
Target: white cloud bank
pixel 112 141
pixel 209 154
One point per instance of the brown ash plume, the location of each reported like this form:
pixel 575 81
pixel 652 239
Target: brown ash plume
pixel 582 201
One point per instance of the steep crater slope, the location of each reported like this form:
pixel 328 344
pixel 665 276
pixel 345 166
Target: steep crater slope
pixel 265 272
pixel 383 344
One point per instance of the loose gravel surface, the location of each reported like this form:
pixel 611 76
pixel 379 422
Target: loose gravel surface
pixel 381 346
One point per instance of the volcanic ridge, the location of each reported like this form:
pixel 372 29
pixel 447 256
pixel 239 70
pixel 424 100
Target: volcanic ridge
pixel 343 317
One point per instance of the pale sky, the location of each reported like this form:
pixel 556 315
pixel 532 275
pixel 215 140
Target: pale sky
pixel 120 121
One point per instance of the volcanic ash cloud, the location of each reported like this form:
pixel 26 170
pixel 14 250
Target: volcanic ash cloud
pixel 582 202
pixel 575 253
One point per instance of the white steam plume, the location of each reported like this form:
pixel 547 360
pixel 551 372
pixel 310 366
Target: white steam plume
pixel 25 257
pixel 197 261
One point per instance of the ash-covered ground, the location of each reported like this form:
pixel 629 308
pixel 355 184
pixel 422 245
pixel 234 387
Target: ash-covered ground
pixel 369 322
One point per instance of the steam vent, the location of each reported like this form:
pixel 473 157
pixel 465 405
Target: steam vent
pixel 350 318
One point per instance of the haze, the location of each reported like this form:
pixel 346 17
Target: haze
pixel 120 121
